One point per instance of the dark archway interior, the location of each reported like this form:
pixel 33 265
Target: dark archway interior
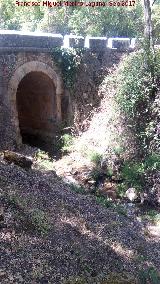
pixel 36 105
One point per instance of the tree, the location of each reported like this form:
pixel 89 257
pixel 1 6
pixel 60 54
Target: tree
pixel 148 31
pixel 149 42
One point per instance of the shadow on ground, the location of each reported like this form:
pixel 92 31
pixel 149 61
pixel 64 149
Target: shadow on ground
pixel 77 239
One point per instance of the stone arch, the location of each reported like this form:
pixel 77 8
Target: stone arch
pixel 19 74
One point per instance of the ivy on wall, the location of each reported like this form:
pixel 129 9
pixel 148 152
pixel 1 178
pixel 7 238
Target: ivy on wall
pixel 68 59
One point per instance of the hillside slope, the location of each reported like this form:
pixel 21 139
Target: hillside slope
pixel 50 234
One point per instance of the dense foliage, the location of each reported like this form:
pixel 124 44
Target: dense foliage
pixel 108 21
pixel 136 97
pixel 68 61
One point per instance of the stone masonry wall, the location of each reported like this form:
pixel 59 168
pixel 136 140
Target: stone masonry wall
pixel 10 76
pixel 85 95
pixel 21 54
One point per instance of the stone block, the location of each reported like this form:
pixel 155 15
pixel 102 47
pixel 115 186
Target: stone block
pixel 133 43
pixel 119 43
pixel 96 43
pixel 73 41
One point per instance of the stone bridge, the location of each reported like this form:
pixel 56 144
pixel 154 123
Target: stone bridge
pixel 31 85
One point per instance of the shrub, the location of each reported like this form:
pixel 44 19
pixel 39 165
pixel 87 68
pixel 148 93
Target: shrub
pixel 135 173
pixel 152 162
pixel 67 141
pixel 135 96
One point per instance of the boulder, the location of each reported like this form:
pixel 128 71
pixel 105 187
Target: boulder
pixel 131 194
pixel 18 159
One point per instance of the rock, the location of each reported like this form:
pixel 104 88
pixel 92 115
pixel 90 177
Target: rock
pixel 110 194
pixel 108 189
pixel 131 194
pixel 18 159
pixel 109 186
pixel 91 182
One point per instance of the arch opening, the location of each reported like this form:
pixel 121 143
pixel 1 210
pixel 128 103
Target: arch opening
pixel 36 107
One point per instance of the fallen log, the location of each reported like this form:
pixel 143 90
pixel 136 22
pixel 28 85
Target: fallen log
pixel 18 159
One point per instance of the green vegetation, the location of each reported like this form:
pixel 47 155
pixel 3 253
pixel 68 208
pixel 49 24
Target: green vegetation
pixel 44 160
pixel 134 173
pixel 135 97
pixel 79 20
pixel 112 278
pixel 41 155
pixel 149 275
pixel 96 158
pixel 121 189
pixel 96 174
pixel 68 60
pixel 27 219
pixel 104 201
pixel 67 141
pixel 39 221
pixel 151 215
pixel 76 188
pixel 118 150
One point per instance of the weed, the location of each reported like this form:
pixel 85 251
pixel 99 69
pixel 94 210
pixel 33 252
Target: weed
pixel 96 174
pixel 28 219
pixel 104 201
pixel 121 210
pixel 134 173
pixel 96 158
pixel 109 172
pixel 152 162
pixel 67 142
pixel 152 216
pixel 39 220
pixel 141 258
pixel 121 189
pixel 76 188
pixel 68 60
pixel 118 150
pixel 44 160
pixel 112 278
pixel 41 155
pixel 15 201
pixel 149 275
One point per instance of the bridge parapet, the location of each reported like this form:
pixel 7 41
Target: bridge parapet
pixel 15 40
pixel 35 41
